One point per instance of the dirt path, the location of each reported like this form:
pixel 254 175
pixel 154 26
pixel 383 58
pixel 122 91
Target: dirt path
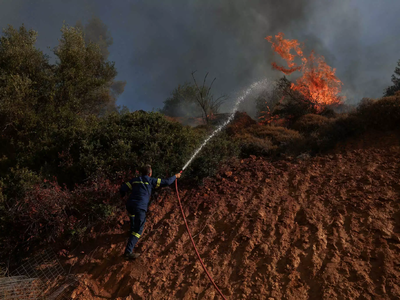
pixel 321 228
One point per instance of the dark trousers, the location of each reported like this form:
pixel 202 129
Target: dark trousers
pixel 137 218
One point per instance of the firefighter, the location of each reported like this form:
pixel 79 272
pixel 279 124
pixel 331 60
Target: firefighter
pixel 139 190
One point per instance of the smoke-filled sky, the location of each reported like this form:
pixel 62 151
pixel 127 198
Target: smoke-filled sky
pixel 157 44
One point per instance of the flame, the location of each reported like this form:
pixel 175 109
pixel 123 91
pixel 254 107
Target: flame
pixel 267 117
pixel 283 47
pixel 318 82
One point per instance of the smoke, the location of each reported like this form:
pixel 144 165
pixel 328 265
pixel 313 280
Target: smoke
pixel 157 44
pixel 97 32
pixel 262 92
pixel 224 38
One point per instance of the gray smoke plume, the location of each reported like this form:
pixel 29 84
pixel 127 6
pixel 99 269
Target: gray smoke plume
pixel 224 38
pixel 157 44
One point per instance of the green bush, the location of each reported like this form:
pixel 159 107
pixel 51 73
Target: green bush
pixel 18 182
pixel 217 151
pixel 120 143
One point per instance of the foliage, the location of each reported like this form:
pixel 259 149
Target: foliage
pixel 53 125
pixel 217 152
pixel 278 135
pixel 42 103
pixel 240 121
pixel 266 140
pixel 328 135
pixel 96 32
pixel 383 114
pixel 38 211
pixel 83 76
pixel 182 102
pixel 205 99
pixel 125 142
pixel 192 100
pixel 391 90
pixel 286 103
pixel 252 145
pixel 26 89
pixel 310 123
pixel 48 212
pixel 81 156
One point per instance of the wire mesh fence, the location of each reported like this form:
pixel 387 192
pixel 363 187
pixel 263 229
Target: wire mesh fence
pixel 39 277
pixel 20 287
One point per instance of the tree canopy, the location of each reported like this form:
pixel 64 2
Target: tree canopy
pixel 95 31
pixel 192 100
pixel 39 100
pixel 391 90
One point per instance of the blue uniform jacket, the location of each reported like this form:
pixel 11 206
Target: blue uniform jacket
pixel 140 190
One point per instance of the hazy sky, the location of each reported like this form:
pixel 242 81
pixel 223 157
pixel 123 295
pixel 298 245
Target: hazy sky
pixel 157 44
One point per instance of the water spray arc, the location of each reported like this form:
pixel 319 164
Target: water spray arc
pixel 230 118
pixel 235 108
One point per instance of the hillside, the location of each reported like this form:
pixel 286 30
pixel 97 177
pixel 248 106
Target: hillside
pixel 326 227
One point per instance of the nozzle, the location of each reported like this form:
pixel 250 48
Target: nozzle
pixel 181 171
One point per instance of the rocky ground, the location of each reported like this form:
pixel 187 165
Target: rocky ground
pixel 326 227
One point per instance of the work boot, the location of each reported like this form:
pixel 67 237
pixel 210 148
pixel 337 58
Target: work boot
pixel 129 256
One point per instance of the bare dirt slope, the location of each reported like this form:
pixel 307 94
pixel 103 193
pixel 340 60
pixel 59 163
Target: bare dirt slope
pixel 321 228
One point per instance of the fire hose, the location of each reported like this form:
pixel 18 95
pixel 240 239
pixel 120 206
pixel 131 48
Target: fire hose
pixel 194 245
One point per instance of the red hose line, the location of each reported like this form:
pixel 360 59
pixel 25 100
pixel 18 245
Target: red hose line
pixel 194 245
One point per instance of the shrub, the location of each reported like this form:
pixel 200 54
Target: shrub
pixel 382 114
pixel 328 111
pixel 251 145
pixel 240 122
pixel 18 182
pixel 217 151
pixel 292 109
pixel 49 211
pixel 265 140
pixel 287 104
pixel 279 136
pixel 310 123
pixel 124 142
pixel 341 128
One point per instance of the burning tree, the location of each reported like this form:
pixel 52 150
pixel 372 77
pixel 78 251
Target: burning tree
pixel 318 84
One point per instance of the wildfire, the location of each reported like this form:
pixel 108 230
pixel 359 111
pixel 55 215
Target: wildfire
pixel 318 82
pixel 282 47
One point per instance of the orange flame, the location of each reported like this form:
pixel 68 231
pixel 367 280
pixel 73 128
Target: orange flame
pixel 283 47
pixel 318 82
pixel 267 117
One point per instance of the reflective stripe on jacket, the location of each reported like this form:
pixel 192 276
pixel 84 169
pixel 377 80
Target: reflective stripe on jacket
pixel 139 189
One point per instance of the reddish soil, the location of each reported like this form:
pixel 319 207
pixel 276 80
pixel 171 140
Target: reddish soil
pixel 327 227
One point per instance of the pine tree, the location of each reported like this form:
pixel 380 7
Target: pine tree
pixel 391 90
